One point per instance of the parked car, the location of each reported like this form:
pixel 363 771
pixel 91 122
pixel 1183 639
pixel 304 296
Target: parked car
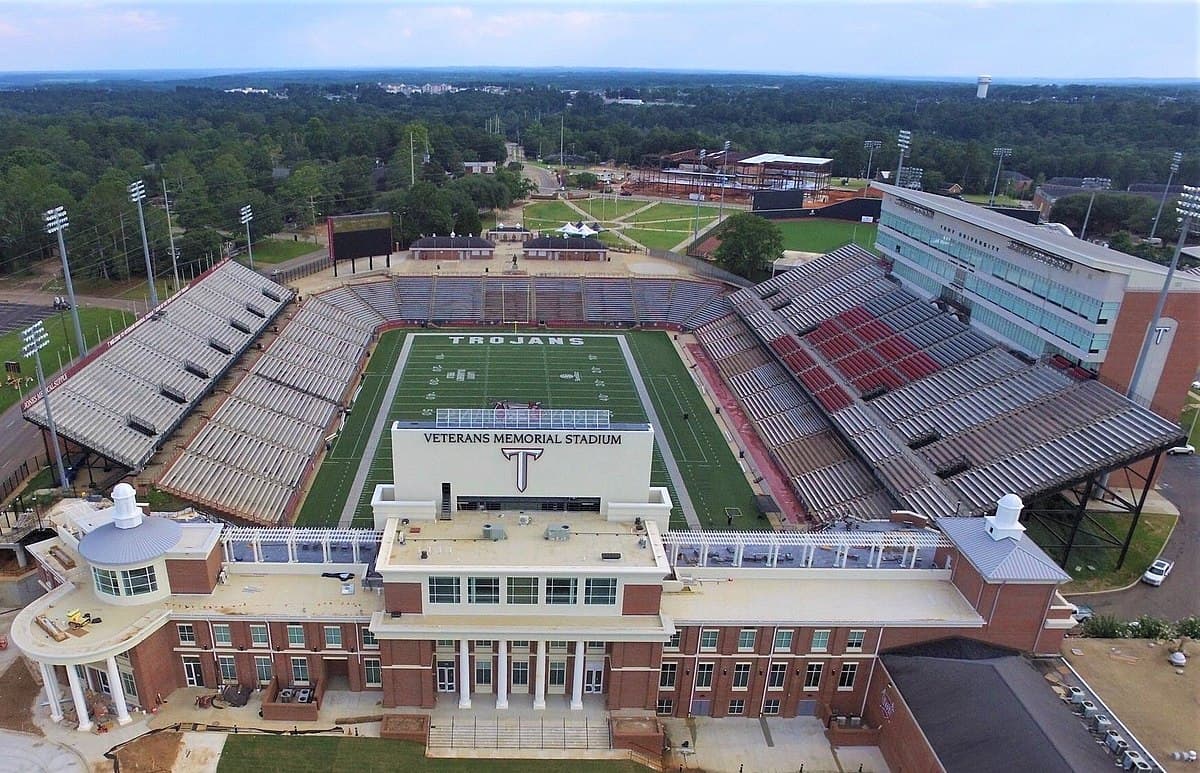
pixel 1185 450
pixel 1158 572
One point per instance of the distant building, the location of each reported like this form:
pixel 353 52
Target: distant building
pixel 452 248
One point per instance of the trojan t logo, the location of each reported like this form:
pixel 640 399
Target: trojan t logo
pixel 523 457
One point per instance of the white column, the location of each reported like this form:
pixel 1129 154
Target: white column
pixel 53 696
pixel 464 675
pixel 118 691
pixel 81 707
pixel 577 679
pixel 539 684
pixel 501 674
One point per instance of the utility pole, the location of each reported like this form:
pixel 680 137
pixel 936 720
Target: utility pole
pixel 171 236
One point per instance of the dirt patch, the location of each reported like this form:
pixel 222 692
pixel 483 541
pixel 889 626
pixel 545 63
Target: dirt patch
pixel 151 753
pixel 1158 703
pixel 19 689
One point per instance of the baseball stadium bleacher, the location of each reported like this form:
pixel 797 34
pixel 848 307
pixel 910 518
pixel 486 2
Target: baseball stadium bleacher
pixel 909 405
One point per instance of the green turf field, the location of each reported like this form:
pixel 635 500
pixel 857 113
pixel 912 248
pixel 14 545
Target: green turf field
pixel 818 235
pixel 439 373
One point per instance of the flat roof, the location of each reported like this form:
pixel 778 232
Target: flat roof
pixel 459 544
pixel 823 597
pixel 1050 240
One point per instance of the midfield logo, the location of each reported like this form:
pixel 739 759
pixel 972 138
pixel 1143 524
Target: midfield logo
pixel 523 457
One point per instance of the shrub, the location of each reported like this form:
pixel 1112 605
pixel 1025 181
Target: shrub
pixel 1189 627
pixel 1105 627
pixel 1151 628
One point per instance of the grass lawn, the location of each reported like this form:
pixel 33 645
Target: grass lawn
pixel 98 325
pixel 440 374
pixel 548 215
pixel 278 250
pixel 314 754
pixel 819 235
pixel 608 209
pixel 1093 567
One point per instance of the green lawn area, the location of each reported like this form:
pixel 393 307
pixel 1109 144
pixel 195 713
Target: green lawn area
pixel 1093 567
pixel 98 325
pixel 820 235
pixel 278 250
pixel 608 209
pixel 440 374
pixel 324 754
pixel 547 215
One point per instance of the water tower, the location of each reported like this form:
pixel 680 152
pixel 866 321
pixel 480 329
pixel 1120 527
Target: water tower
pixel 982 87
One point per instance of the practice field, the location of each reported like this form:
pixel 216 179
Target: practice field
pixel 439 373
pixel 819 235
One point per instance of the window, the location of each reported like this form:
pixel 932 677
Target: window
pixel 135 582
pixel 708 639
pixel 522 590
pixel 368 639
pixel 812 676
pixel 771 707
pixel 106 582
pixel 558 673
pixel 746 639
pixel 665 707
pixel 820 641
pixel 776 676
pixel 737 707
pixel 666 676
pixel 299 670
pixel 741 676
pixel 296 636
pixel 854 641
pixel 561 590
pixel 372 672
pixel 600 591
pixel 520 673
pixel 673 643
pixel 262 668
pixel 258 636
pixel 483 590
pixel 228 668
pixel 444 590
pixel 846 677
pixel 483 671
pixel 129 686
pixel 704 675
pixel 221 635
pixel 187 634
pixel 333 637
pixel 783 641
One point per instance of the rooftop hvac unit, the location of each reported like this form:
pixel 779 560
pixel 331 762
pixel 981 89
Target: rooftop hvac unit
pixel 1101 723
pixel 1077 695
pixel 559 533
pixel 493 532
pixel 1089 709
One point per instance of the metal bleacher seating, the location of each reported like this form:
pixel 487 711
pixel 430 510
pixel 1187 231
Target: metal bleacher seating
pixel 129 395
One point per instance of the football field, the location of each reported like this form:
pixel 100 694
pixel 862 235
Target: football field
pixel 478 368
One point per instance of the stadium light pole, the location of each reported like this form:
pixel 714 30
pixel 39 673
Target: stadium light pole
pixel 56 223
pixel 1095 184
pixel 724 180
pixel 1176 159
pixel 137 193
pixel 1000 154
pixel 904 142
pixel 247 216
pixel 33 339
pixel 870 146
pixel 1188 208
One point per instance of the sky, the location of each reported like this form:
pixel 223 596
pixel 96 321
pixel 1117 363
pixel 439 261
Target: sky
pixel 1012 41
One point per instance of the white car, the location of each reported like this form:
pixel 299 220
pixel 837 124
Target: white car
pixel 1158 572
pixel 1185 450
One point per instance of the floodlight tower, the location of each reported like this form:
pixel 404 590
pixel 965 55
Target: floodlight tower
pixel 56 223
pixel 871 146
pixel 1176 158
pixel 33 339
pixel 1094 184
pixel 137 193
pixel 903 141
pixel 1188 208
pixel 247 216
pixel 1000 154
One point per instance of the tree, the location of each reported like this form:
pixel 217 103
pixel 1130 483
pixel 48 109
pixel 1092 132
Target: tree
pixel 749 244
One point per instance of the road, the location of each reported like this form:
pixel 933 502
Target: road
pixel 1176 598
